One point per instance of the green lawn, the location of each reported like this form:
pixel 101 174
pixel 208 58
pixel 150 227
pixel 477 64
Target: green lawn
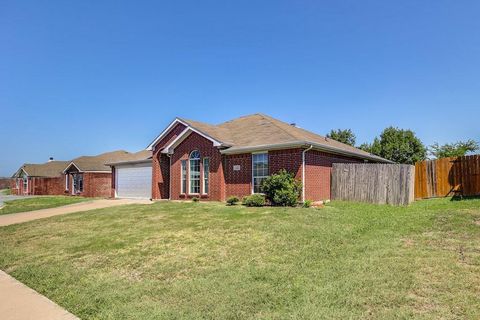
pixel 5 191
pixel 30 204
pixel 208 261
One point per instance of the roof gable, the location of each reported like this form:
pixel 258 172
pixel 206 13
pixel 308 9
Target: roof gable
pixel 47 169
pixel 99 162
pixel 259 131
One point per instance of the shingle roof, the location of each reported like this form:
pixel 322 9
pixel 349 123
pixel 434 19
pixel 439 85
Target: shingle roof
pixel 259 130
pixel 140 156
pixel 99 162
pixel 48 169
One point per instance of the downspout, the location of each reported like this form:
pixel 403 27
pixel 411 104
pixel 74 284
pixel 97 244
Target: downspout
pixel 303 171
pixel 169 176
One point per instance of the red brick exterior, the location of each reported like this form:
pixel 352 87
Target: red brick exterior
pixel 95 184
pixel 224 181
pixel 39 186
pixel 161 165
pixel 238 183
pixel 207 150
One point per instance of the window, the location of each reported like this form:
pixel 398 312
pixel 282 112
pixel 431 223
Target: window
pixel 195 172
pixel 25 184
pixel 184 176
pixel 259 170
pixel 78 182
pixel 206 174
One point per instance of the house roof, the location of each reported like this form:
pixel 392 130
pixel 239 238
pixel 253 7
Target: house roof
pixel 137 157
pixel 48 169
pixel 262 132
pixel 99 162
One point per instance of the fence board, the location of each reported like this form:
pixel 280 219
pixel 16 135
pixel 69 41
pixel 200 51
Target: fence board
pixel 373 183
pixel 447 177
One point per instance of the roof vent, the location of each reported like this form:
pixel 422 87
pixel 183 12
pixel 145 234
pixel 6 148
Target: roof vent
pixel 293 124
pixel 50 159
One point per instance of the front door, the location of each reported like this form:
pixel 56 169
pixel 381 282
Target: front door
pixel 77 183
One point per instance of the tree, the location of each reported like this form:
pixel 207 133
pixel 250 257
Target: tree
pixel 345 136
pixel 457 149
pixel 401 146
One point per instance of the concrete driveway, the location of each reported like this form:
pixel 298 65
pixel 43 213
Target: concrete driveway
pixel 20 217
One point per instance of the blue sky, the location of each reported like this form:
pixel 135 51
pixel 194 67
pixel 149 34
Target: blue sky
pixel 83 77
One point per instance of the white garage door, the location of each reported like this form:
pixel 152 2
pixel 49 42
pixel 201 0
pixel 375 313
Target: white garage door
pixel 134 181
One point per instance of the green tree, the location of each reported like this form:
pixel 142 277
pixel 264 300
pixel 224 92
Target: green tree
pixel 345 136
pixel 401 146
pixel 457 149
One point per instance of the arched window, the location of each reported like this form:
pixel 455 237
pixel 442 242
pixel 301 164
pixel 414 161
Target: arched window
pixel 194 172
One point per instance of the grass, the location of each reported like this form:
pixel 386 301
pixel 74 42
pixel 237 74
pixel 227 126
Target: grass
pixel 37 203
pixel 5 191
pixel 209 261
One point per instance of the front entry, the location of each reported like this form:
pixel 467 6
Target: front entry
pixel 77 183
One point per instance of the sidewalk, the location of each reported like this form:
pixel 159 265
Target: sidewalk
pixel 20 217
pixel 19 302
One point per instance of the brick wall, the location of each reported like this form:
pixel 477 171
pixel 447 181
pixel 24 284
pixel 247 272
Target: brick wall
pixel 290 160
pixel 14 189
pixel 206 148
pixel 48 186
pixel 161 164
pixel 318 167
pixel 95 184
pixel 40 186
pixel 238 183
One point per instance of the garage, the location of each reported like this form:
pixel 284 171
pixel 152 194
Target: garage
pixel 133 180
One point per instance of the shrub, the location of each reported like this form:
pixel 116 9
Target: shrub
pixel 232 200
pixel 307 204
pixel 282 189
pixel 195 199
pixel 255 200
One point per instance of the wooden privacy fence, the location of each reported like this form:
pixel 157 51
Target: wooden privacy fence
pixel 373 183
pixel 447 177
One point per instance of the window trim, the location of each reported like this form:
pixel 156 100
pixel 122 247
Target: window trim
pixel 268 166
pixel 67 180
pixel 182 171
pixel 190 172
pixel 207 159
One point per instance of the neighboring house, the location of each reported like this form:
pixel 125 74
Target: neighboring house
pixel 90 176
pixel 212 162
pixel 132 177
pixel 39 179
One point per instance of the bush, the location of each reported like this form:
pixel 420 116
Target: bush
pixel 282 189
pixel 195 199
pixel 232 200
pixel 307 204
pixel 255 200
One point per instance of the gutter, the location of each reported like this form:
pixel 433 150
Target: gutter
pixel 113 164
pixel 303 171
pixel 297 144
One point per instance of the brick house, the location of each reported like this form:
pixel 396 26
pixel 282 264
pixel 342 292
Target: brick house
pixel 212 162
pixel 39 179
pixel 90 176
